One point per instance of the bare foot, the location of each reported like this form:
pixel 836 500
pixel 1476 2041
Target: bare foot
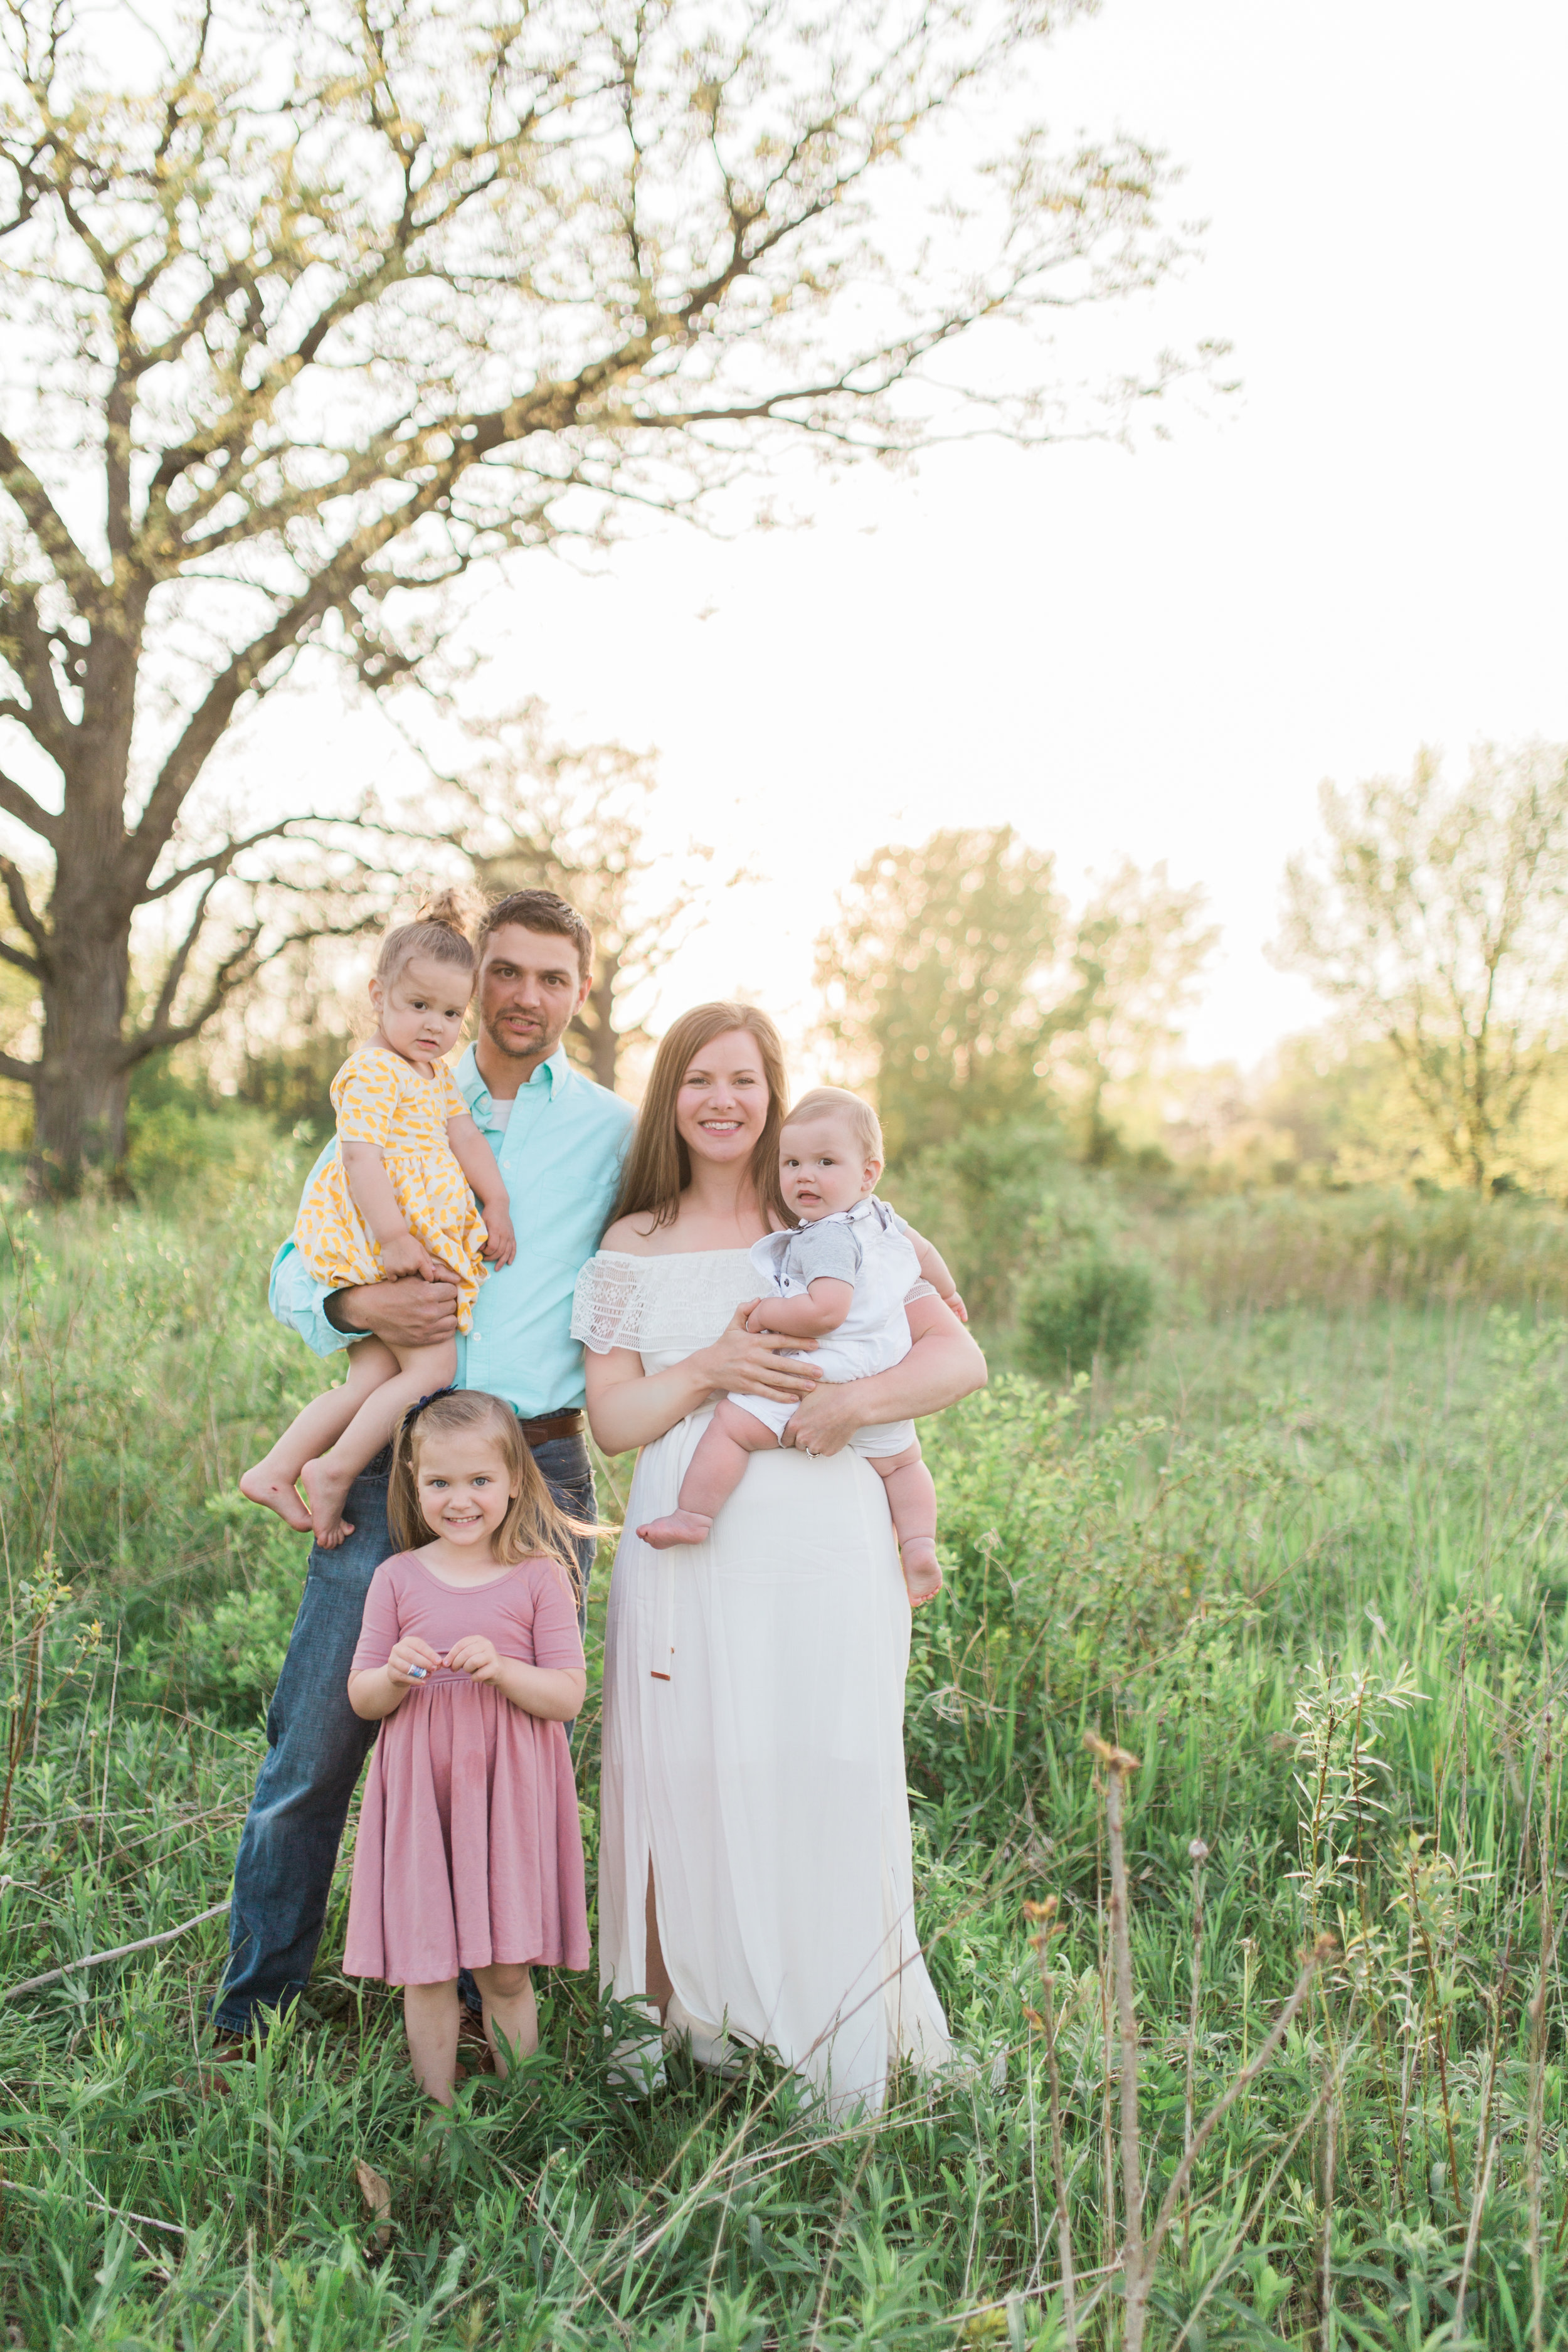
pixel 325 1494
pixel 923 1576
pixel 679 1528
pixel 276 1493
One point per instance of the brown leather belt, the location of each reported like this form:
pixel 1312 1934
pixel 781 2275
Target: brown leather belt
pixel 551 1425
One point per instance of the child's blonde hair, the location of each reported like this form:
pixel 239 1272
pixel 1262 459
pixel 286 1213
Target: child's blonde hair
pixel 535 1527
pixel 438 930
pixel 838 1102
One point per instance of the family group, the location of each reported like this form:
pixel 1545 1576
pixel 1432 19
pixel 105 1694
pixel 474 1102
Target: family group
pixel 501 1249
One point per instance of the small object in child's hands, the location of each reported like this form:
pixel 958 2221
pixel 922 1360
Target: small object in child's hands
pixel 417 1673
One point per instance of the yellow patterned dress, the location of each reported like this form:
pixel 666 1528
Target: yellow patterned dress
pixel 381 1098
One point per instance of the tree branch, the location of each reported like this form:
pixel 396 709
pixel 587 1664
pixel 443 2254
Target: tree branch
pixel 221 858
pixel 47 526
pixel 22 908
pixel 17 802
pixel 26 646
pixel 239 966
pixel 181 957
pixel 235 968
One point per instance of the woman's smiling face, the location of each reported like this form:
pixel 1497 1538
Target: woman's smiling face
pixel 722 1104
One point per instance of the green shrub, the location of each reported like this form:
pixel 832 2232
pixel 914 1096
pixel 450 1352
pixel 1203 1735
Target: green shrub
pixel 179 1134
pixel 1089 1306
pixel 988 1199
pixel 226 1658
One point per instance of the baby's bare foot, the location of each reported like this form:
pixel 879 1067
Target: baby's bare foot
pixel 326 1494
pixel 277 1492
pixel 922 1575
pixel 679 1528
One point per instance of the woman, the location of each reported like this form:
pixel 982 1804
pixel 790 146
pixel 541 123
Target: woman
pixel 754 1871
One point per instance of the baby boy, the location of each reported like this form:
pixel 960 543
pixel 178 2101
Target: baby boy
pixel 841 1278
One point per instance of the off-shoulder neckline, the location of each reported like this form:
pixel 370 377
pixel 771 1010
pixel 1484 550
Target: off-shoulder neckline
pixel 661 1257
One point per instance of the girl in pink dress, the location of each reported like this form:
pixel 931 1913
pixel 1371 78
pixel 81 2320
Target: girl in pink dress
pixel 469 1853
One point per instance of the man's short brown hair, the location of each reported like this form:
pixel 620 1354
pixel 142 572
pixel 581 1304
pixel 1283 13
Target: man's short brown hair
pixel 538 910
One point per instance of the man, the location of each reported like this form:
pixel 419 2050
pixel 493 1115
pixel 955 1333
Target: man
pixel 560 1139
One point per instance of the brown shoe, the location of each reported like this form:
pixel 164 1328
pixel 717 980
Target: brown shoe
pixel 227 2050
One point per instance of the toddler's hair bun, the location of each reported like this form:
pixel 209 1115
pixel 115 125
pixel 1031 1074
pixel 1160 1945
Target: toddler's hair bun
pixel 452 910
pixel 439 929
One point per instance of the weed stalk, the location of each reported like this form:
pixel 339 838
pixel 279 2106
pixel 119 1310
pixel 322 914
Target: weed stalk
pixel 1043 1916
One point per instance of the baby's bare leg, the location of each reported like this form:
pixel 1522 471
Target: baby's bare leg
pixel 715 1472
pixel 430 2020
pixel 275 1479
pixel 418 1372
pixel 511 2018
pixel 911 1498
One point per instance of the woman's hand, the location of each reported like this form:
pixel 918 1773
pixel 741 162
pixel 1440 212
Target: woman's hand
pixel 757 1363
pixel 629 1406
pixel 476 1657
pixel 407 1654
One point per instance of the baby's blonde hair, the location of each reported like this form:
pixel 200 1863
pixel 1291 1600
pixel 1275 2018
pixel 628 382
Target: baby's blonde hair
pixel 535 1527
pixel 838 1102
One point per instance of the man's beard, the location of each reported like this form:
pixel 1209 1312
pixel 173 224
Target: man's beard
pixel 517 1047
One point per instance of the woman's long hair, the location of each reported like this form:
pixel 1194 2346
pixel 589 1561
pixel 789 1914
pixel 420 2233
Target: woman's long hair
pixel 658 1166
pixel 535 1527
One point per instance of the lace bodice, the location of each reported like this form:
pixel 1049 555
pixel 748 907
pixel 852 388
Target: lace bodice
pixel 665 1308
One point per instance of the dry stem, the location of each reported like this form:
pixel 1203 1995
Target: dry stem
pixel 1044 1914
pixel 1118 1767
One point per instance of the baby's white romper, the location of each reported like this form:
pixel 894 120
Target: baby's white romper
pixel 868 1247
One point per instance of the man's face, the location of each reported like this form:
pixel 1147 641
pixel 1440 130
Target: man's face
pixel 530 987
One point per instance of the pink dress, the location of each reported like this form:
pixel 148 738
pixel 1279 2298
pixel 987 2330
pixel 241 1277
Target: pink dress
pixel 470 1849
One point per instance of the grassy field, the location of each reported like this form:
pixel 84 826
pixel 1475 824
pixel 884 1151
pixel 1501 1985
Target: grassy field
pixel 1308 1565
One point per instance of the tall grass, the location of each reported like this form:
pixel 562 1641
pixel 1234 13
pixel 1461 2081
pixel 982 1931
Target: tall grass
pixel 1292 1248
pixel 1307 1568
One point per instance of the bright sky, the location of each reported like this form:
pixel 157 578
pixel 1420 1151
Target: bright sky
pixel 1157 655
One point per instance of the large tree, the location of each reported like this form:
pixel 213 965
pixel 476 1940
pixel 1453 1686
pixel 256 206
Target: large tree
pixel 1436 919
pixel 1138 949
pixel 957 985
pixel 326 305
pixel 936 979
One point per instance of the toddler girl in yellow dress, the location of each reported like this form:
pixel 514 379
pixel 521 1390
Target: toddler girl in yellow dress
pixel 396 1198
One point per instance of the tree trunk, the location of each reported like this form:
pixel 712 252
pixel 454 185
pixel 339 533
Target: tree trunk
pixel 592 1024
pixel 79 1094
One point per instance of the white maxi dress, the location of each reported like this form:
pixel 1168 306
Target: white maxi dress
pixel 753 1732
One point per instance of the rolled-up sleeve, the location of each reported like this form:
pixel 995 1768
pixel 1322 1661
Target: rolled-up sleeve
pixel 297 1300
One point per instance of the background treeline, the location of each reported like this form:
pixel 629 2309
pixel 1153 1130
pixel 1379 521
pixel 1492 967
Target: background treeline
pixel 1026 1055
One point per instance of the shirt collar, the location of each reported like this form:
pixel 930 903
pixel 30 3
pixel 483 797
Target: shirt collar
pixel 869 1207
pixel 551 1074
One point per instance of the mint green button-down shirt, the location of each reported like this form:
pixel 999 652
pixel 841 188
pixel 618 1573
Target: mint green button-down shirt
pixel 560 1153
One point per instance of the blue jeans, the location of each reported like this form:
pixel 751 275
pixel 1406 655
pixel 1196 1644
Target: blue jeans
pixel 317 1746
